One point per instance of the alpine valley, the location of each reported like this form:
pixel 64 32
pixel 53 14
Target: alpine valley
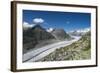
pixel 40 44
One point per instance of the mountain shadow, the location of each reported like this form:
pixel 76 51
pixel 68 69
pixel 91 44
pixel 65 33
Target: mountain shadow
pixel 37 37
pixel 34 36
pixel 60 34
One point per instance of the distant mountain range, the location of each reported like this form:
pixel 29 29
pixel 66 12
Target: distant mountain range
pixel 37 35
pixel 79 32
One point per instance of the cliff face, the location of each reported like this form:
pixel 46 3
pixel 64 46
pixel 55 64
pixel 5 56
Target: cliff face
pixel 34 36
pixel 37 37
pixel 60 34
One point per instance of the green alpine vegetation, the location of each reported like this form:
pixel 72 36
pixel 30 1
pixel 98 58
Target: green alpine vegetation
pixel 79 50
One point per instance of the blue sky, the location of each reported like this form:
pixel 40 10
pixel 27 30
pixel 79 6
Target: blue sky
pixel 64 20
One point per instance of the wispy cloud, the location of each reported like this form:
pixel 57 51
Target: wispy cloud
pixel 38 20
pixel 26 25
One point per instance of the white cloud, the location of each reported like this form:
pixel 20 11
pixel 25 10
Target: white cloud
pixel 50 30
pixel 27 25
pixel 38 21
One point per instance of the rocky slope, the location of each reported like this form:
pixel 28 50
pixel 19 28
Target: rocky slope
pixel 37 37
pixel 60 34
pixel 79 50
pixel 34 36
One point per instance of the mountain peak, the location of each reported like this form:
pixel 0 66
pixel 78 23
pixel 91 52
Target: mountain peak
pixel 37 26
pixel 60 34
